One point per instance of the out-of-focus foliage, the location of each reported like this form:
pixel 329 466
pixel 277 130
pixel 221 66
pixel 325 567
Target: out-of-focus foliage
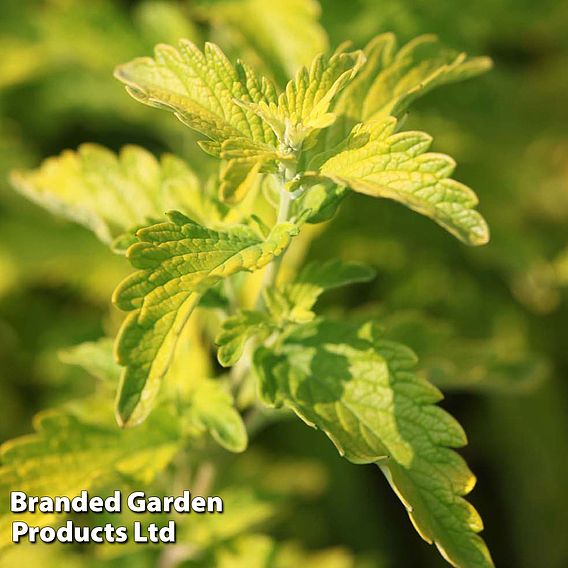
pixel 489 325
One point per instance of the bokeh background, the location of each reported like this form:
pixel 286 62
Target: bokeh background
pixel 490 325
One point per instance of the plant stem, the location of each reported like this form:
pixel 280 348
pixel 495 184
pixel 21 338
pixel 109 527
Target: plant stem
pixel 203 479
pixel 271 272
pixel 173 556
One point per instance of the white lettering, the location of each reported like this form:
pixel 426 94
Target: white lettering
pixel 136 502
pixel 18 501
pixel 19 528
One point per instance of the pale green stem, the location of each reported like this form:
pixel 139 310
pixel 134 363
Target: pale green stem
pixel 240 370
pixel 173 556
pixel 205 474
pixel 271 272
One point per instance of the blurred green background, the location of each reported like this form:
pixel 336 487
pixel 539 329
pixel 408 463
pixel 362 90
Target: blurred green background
pixel 490 325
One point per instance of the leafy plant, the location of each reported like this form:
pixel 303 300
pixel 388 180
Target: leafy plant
pixel 217 271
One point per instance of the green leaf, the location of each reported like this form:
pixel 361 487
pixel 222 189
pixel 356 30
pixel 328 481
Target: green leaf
pixel 294 301
pixel 111 194
pixel 69 453
pixel 322 201
pixel 363 393
pixel 390 81
pixel 303 108
pixel 291 303
pixel 178 262
pixel 211 408
pixel 236 330
pixel 377 161
pixel 316 278
pixel 200 88
pixel 244 161
pixel 95 357
pixel 280 37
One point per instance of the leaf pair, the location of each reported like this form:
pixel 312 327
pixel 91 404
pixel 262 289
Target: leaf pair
pixel 304 107
pixel 233 107
pixel 331 123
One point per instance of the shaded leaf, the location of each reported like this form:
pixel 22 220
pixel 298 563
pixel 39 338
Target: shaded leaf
pixel 363 393
pixel 211 408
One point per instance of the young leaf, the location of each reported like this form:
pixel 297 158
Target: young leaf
pixel 178 262
pixel 95 357
pixel 316 278
pixel 111 194
pixel 363 393
pixel 322 201
pixel 294 301
pixel 211 408
pixel 245 160
pixel 377 161
pixel 235 332
pixel 200 88
pixel 68 454
pixel 303 108
pixel 291 303
pixel 390 81
pixel 281 36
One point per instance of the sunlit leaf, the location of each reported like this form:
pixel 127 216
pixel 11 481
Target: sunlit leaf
pixel 68 454
pixel 303 107
pixel 279 36
pixel 112 194
pixel 177 261
pixel 378 161
pixel 363 393
pixel 391 80
pixel 200 88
